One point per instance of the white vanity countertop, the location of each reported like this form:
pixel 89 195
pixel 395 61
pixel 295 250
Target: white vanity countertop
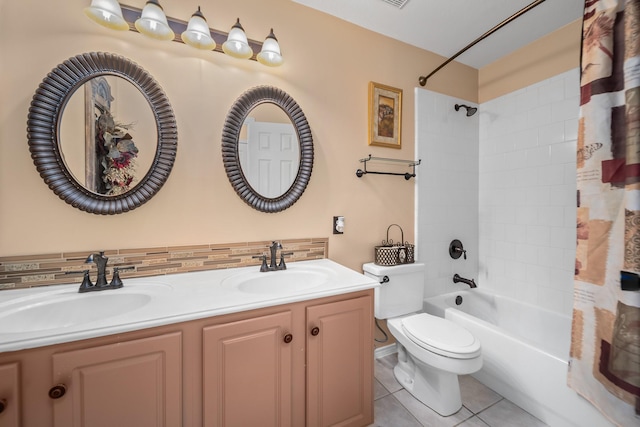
pixel 49 315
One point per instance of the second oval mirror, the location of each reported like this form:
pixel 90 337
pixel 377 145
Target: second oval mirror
pixel 267 149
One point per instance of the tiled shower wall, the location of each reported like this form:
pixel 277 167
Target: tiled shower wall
pixel 527 192
pixel 446 190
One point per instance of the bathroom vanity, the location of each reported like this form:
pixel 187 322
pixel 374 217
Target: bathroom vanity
pixel 209 348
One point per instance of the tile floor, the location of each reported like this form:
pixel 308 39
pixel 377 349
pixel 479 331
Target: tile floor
pixel 481 406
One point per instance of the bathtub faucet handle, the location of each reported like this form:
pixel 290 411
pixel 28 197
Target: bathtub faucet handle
pixel 456 249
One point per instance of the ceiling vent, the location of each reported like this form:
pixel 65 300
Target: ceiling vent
pixel 396 3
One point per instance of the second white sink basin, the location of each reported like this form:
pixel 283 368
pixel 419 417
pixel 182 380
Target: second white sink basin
pixel 293 280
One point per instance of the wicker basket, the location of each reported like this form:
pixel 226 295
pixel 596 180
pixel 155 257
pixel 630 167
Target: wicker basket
pixel 393 254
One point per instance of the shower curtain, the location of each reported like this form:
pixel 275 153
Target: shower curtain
pixel 605 341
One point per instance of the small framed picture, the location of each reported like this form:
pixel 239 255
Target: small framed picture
pixel 385 115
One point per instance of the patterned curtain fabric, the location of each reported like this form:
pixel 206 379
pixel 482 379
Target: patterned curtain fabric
pixel 605 342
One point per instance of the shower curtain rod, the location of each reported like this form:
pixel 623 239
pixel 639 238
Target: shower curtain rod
pixel 423 79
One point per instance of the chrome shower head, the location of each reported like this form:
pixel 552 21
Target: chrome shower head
pixel 470 110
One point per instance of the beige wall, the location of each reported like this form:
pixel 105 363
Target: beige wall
pixel 546 57
pixel 329 64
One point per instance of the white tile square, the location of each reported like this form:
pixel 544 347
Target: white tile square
pixel 551 134
pixel 551 216
pixel 526 100
pixel 567 109
pixel 551 91
pixel 514 160
pixel 571 83
pixel 527 215
pixel 538 235
pixel 526 253
pixel 564 152
pixel 571 129
pixel 539 116
pixel 525 139
pixel 551 175
pixel 539 156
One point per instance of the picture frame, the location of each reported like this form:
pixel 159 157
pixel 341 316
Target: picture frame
pixel 385 115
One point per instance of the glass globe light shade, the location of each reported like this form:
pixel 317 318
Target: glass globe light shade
pixel 270 54
pixel 197 33
pixel 237 44
pixel 153 22
pixel 107 13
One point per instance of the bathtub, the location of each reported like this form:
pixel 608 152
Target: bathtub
pixel 525 351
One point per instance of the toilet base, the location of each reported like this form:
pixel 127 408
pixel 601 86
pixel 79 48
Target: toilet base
pixel 437 389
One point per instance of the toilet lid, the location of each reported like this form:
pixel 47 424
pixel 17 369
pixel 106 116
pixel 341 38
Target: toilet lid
pixel 441 336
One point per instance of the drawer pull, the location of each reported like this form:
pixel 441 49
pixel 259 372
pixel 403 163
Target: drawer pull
pixel 56 392
pixel 315 331
pixel 288 338
pixel 3 405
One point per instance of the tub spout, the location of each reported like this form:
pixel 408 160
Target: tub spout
pixel 457 278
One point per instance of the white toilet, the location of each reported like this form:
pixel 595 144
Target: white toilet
pixel 432 351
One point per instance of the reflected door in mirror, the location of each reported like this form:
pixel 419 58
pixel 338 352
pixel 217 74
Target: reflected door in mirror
pixel 270 157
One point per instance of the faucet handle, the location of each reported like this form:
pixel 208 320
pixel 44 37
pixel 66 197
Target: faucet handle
pixel 86 284
pixel 264 267
pixel 116 282
pixel 282 265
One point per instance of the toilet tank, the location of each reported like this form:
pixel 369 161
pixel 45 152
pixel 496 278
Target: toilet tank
pixel 402 293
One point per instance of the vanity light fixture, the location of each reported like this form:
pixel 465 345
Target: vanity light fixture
pixel 197 33
pixel 153 22
pixel 237 44
pixel 270 54
pixel 107 13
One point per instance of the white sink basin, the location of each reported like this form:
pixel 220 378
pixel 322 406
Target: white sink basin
pixel 293 280
pixel 55 310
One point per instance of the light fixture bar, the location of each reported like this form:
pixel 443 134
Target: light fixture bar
pixel 178 26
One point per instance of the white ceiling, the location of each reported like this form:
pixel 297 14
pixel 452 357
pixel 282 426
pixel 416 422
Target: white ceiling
pixel 446 26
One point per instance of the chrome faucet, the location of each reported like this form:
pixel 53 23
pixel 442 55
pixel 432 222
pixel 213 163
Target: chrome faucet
pixel 471 283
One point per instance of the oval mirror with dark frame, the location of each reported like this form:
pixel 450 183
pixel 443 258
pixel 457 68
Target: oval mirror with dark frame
pixel 272 187
pixel 108 155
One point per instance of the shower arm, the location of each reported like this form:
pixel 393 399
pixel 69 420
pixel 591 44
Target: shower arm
pixel 423 79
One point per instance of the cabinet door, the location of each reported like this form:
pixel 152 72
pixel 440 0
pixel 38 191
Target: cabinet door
pixel 9 395
pixel 340 363
pixel 133 383
pixel 247 372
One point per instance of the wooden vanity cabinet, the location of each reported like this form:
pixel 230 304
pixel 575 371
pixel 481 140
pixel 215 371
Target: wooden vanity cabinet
pixel 9 395
pixel 340 363
pixel 247 372
pixel 309 365
pixel 306 363
pixel 132 383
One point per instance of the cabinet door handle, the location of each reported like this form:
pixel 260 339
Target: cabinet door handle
pixel 288 338
pixel 315 331
pixel 3 405
pixel 57 391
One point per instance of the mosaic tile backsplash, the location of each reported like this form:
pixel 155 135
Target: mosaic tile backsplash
pixel 50 269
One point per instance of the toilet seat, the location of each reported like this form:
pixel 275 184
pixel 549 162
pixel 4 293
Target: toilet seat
pixel 441 336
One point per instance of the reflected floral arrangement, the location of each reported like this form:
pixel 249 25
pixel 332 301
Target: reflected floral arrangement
pixel 116 153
